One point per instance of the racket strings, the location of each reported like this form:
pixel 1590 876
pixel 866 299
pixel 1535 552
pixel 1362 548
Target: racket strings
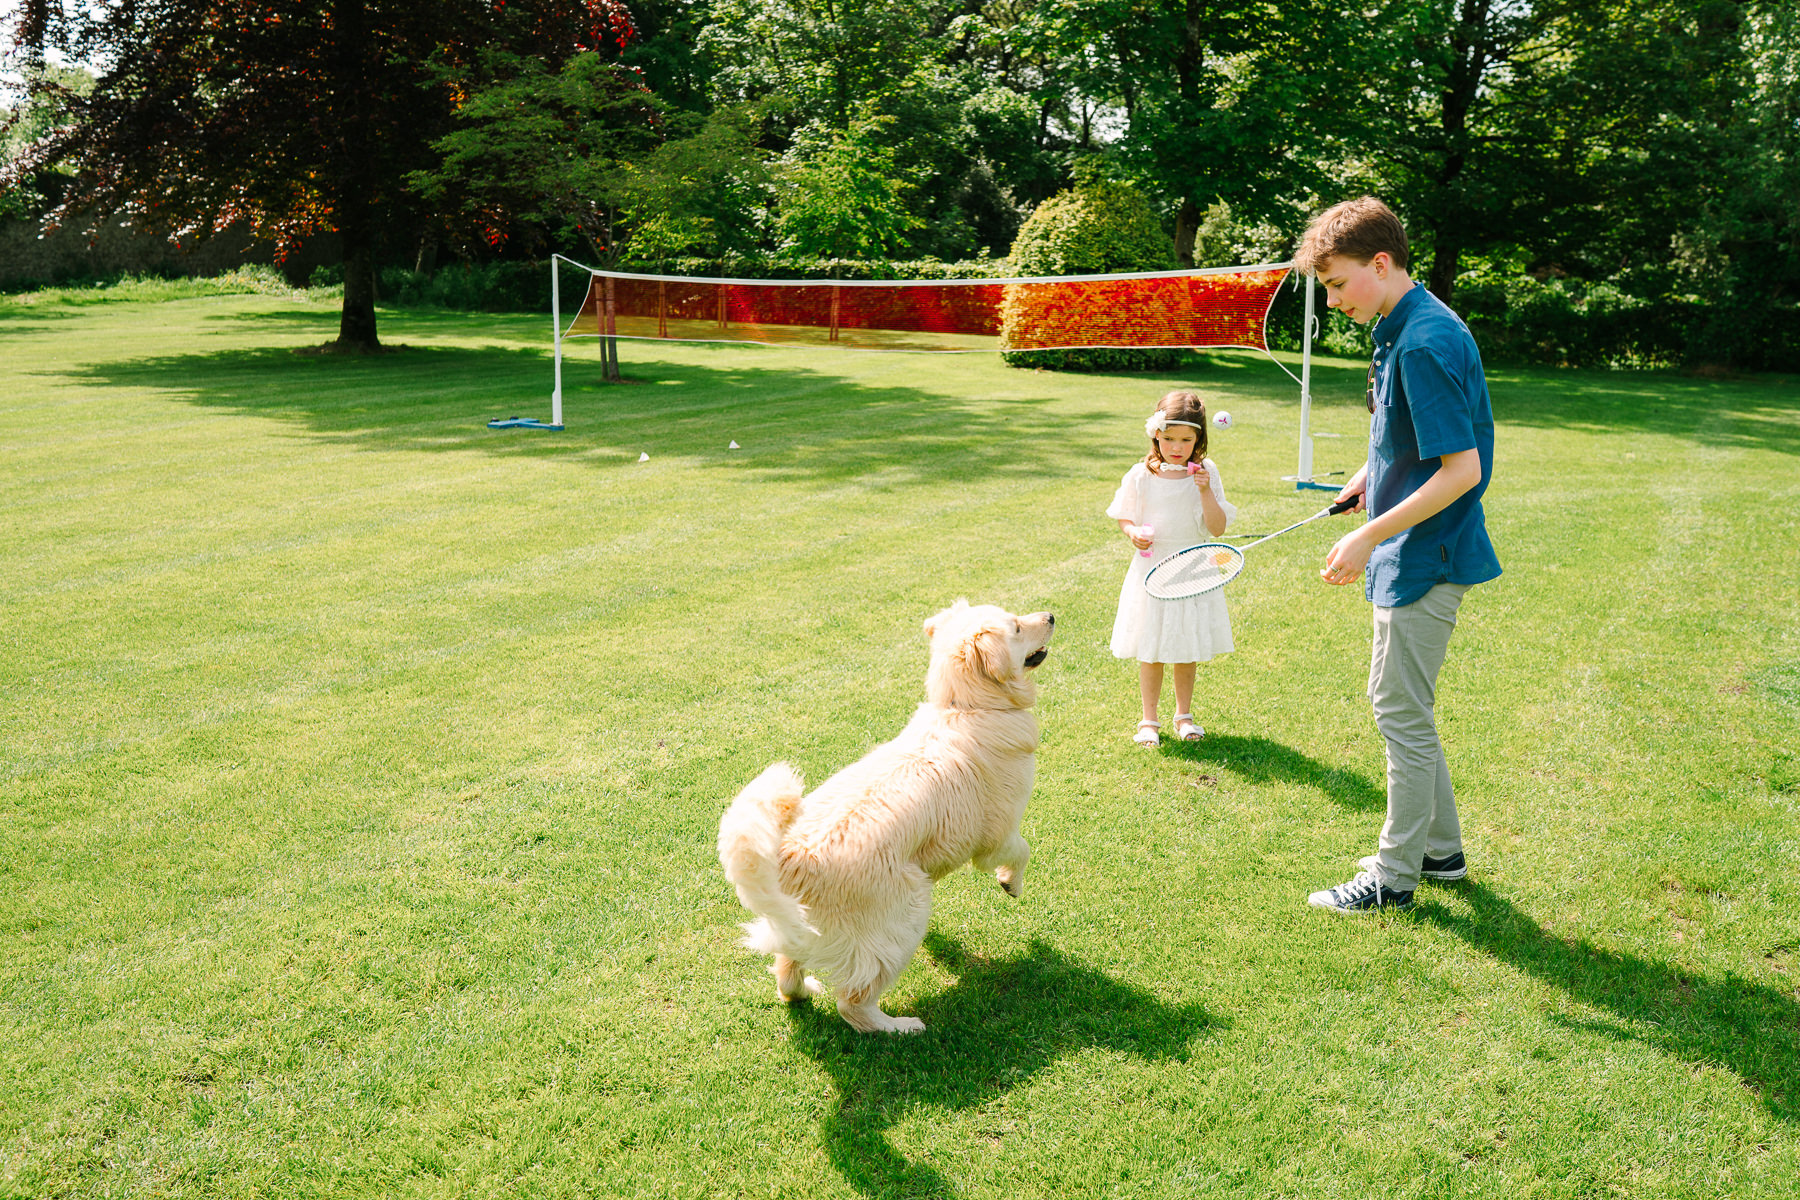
pixel 1193 571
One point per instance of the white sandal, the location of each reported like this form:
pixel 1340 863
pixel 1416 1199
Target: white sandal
pixel 1149 733
pixel 1186 730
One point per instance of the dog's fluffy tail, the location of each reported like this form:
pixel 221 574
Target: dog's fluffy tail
pixel 749 849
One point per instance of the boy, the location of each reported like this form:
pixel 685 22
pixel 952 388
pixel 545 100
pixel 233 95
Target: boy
pixel 1431 454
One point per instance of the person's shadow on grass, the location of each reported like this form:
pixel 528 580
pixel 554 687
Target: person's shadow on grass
pixel 1001 1023
pixel 1751 1029
pixel 1264 760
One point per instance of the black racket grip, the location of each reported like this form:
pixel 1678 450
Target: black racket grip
pixel 1344 505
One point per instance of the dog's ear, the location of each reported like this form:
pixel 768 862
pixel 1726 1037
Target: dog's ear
pixel 932 624
pixel 992 653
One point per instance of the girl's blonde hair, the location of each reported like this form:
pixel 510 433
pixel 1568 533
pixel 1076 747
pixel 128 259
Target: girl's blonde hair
pixel 1181 406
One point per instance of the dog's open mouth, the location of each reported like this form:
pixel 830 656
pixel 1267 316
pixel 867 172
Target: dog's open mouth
pixel 1036 657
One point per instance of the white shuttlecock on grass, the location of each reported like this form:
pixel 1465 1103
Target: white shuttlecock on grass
pixel 1222 420
pixel 734 446
pixel 644 457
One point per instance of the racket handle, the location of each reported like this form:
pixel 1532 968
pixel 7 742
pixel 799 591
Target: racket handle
pixel 1344 505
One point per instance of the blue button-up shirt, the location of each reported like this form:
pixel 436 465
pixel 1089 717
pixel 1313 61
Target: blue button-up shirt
pixel 1431 399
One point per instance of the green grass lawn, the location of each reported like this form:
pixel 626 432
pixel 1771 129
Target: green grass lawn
pixel 360 770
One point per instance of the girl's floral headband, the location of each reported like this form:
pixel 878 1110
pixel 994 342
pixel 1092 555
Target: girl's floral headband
pixel 1160 421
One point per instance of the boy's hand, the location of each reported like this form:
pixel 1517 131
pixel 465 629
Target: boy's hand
pixel 1355 489
pixel 1347 559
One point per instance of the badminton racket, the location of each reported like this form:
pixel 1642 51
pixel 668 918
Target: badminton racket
pixel 1211 565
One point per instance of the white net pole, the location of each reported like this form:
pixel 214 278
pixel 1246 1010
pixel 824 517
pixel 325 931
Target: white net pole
pixel 556 329
pixel 1305 470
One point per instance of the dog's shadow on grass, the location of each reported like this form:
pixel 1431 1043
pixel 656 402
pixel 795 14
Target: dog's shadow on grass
pixel 1749 1028
pixel 1264 760
pixel 1001 1023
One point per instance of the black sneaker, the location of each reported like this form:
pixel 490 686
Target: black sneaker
pixel 1364 892
pixel 1451 866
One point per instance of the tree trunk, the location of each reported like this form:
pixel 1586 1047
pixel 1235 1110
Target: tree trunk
pixel 356 322
pixel 1446 258
pixel 1187 229
pixel 609 344
pixel 1471 58
pixel 355 152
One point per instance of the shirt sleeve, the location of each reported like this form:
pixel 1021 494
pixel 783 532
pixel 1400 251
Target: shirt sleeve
pixel 1442 416
pixel 1217 485
pixel 1127 502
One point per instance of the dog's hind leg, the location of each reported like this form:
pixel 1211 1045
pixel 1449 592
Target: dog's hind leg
pixel 792 982
pixel 859 1003
pixel 1007 862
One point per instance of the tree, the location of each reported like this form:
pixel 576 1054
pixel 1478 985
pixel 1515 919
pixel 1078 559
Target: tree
pixel 825 56
pixel 845 201
pixel 541 149
pixel 1221 101
pixel 29 193
pixel 968 136
pixel 706 191
pixel 1481 127
pixel 575 153
pixel 297 116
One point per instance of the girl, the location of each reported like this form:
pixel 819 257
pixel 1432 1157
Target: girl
pixel 1173 498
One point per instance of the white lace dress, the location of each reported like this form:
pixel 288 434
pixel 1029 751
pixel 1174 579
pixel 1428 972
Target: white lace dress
pixel 1168 631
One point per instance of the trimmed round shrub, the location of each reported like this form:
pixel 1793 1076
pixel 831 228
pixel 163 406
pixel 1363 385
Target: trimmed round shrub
pixel 1094 229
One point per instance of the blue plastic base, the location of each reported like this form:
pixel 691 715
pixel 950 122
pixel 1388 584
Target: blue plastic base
pixel 1307 485
pixel 520 423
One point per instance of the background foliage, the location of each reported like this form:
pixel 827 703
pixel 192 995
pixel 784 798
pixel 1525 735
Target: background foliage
pixel 1592 182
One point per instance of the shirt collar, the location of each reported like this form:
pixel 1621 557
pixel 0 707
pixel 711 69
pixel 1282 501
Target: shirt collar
pixel 1387 329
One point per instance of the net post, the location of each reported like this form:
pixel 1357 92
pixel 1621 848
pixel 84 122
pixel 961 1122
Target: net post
pixel 1303 474
pixel 1305 468
pixel 556 330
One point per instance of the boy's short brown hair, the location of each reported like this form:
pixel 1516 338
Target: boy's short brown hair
pixel 1358 229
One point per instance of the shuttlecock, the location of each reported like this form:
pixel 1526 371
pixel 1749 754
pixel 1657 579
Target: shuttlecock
pixel 734 446
pixel 1222 420
pixel 644 457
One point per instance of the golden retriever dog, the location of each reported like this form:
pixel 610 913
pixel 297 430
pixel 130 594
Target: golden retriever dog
pixel 840 878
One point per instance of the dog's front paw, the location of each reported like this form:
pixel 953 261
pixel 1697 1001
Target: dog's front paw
pixel 1010 883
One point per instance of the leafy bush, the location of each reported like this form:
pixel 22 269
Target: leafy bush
pixel 1562 321
pixel 1094 229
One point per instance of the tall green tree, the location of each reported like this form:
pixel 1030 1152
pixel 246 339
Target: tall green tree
pixel 298 116
pixel 974 135
pixel 542 151
pixel 1227 102
pixel 823 56
pixel 846 200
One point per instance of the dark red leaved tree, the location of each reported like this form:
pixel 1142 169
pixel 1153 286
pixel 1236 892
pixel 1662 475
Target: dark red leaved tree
pixel 298 116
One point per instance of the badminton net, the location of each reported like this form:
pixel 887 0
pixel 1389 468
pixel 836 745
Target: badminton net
pixel 1208 308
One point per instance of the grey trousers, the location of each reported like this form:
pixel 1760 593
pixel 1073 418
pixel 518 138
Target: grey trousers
pixel 1408 651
